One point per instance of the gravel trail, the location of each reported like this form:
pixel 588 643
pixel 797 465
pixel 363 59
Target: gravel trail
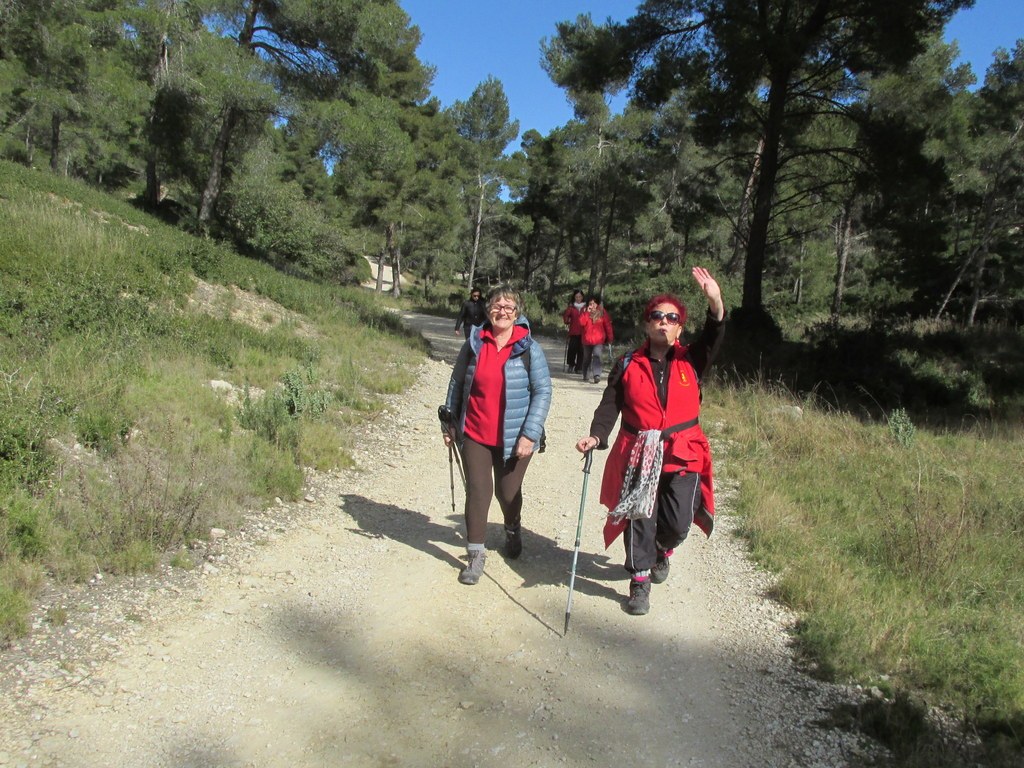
pixel 333 632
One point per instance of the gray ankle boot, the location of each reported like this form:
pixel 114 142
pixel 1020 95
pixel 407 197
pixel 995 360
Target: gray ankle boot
pixel 471 573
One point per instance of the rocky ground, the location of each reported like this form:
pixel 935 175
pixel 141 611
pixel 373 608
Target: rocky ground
pixel 333 632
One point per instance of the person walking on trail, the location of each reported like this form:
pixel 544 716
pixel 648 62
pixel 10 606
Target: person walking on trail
pixel 473 313
pixel 571 318
pixel 499 395
pixel 657 479
pixel 596 332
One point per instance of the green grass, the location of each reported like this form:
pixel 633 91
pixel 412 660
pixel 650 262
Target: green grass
pixel 114 449
pixel 902 549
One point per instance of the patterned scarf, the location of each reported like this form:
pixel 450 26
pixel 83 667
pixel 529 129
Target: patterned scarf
pixel 640 486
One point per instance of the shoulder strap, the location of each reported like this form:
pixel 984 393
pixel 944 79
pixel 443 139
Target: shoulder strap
pixel 626 360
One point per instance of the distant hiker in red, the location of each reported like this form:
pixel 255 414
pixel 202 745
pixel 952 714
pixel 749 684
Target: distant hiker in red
pixel 596 329
pixel 574 345
pixel 657 479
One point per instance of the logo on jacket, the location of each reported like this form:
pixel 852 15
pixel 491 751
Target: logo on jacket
pixel 682 378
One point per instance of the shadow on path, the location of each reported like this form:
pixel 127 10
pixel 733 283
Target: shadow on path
pixel 543 562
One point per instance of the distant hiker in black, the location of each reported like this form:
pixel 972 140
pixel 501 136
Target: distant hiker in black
pixel 473 312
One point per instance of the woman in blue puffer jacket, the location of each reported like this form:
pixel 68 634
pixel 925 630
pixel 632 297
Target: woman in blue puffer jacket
pixel 498 397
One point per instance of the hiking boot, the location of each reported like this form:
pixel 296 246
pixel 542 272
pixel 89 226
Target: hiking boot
pixel 471 573
pixel 513 543
pixel 639 601
pixel 660 570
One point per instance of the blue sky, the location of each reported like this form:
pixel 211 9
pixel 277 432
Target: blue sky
pixel 467 40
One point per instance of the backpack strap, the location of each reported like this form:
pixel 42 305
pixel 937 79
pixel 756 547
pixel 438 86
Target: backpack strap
pixel 626 360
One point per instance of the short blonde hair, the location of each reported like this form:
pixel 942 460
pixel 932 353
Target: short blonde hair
pixel 505 291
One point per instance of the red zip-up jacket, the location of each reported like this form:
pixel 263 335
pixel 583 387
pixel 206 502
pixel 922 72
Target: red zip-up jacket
pixel 596 331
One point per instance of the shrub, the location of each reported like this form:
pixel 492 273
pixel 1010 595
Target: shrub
pixel 901 427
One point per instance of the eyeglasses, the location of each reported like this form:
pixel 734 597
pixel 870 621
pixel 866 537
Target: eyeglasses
pixel 501 309
pixel 672 318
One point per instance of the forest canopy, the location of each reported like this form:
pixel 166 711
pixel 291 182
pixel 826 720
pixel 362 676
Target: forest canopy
pixel 825 158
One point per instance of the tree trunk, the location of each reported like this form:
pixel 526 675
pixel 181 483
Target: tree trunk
pixel 396 270
pixel 554 267
pixel 55 125
pixel 477 227
pixel 741 235
pixel 606 246
pixel 844 237
pixel 979 273
pixel 231 117
pixel 213 182
pixel 798 284
pixel 152 194
pixel 977 251
pixel 753 271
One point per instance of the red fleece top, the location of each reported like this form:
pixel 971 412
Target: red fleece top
pixel 486 404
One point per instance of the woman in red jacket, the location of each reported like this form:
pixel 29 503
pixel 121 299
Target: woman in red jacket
pixel 657 479
pixel 571 318
pixel 596 332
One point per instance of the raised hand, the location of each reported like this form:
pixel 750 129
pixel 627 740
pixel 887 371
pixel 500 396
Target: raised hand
pixel 711 289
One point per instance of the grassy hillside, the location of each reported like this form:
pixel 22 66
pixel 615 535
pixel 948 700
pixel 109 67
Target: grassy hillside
pixel 133 360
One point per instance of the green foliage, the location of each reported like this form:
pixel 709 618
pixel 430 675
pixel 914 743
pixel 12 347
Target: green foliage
pixel 901 427
pixel 14 608
pixel 19 581
pixel 274 221
pixel 25 532
pixel 270 418
pixel 302 394
pixel 26 419
pixel 274 471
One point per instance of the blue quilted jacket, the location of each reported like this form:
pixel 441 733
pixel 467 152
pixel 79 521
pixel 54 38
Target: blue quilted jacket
pixel 527 393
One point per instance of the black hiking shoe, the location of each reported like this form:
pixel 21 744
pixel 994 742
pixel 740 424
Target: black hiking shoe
pixel 660 570
pixel 513 543
pixel 639 601
pixel 471 573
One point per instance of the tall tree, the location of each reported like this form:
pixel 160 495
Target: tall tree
pixel 324 50
pixel 762 67
pixel 483 122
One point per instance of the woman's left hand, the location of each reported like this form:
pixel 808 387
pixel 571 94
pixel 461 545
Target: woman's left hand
pixel 524 447
pixel 711 289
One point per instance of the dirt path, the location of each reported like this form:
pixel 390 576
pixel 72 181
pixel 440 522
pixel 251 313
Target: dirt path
pixel 333 632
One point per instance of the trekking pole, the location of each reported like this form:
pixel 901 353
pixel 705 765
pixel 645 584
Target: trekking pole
pixel 458 462
pixel 454 456
pixel 579 531
pixel 451 473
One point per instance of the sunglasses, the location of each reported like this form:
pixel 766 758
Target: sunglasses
pixel 672 318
